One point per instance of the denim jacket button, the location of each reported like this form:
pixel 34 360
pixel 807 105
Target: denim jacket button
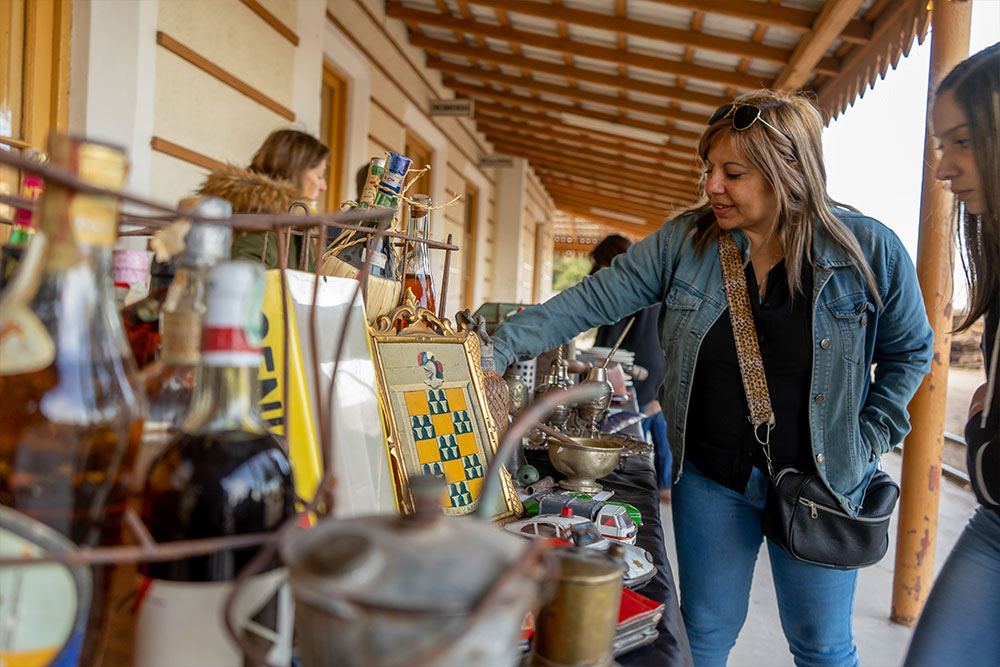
pixel 819 458
pixel 825 343
pixel 820 398
pixel 864 320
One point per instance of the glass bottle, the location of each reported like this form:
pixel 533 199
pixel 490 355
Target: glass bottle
pixel 170 380
pixel 142 318
pixel 72 405
pixel 225 474
pixel 24 226
pixel 417 273
pixel 384 177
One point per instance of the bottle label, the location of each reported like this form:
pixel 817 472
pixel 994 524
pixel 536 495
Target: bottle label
pixel 228 346
pixel 379 260
pixel 181 622
pixel 41 619
pixel 25 344
pixel 181 337
pixel 94 220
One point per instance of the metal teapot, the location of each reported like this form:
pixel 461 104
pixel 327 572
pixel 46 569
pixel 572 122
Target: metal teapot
pixel 557 378
pixel 392 590
pixel 423 589
pixel 593 412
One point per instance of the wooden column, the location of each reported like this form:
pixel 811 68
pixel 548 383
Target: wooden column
pixel 921 482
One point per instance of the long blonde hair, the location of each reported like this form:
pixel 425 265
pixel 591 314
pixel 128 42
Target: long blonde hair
pixel 975 85
pixel 792 163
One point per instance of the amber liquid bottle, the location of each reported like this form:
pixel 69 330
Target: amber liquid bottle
pixel 72 407
pixel 417 276
pixel 142 318
pixel 224 475
pixel 170 380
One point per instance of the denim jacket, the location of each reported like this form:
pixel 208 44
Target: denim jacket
pixel 853 418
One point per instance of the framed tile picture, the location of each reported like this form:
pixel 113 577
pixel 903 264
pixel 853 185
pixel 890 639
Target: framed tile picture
pixel 437 423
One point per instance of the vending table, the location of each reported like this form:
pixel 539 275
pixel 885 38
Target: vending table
pixel 636 485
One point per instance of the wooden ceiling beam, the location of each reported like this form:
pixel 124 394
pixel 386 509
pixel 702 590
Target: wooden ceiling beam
pixel 560 70
pixel 830 22
pixel 903 19
pixel 530 84
pixel 802 20
pixel 662 33
pixel 499 140
pixel 631 206
pixel 642 193
pixel 582 146
pixel 578 48
pixel 682 151
pixel 543 134
pixel 545 105
pixel 621 176
pixel 608 190
pixel 614 223
pixel 647 212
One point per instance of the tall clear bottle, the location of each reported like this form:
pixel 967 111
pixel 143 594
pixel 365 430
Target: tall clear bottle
pixel 170 380
pixel 224 475
pixel 417 275
pixel 72 406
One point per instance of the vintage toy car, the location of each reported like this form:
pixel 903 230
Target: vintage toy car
pixel 612 520
pixel 582 532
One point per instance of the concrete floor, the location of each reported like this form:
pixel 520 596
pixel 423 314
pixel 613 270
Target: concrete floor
pixel 881 643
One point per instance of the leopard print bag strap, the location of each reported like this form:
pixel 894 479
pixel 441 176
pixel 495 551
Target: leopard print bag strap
pixel 747 348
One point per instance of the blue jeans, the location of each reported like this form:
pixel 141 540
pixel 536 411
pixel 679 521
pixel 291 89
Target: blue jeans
pixel 657 425
pixel 718 536
pixel 959 623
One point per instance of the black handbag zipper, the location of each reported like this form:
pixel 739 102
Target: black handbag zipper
pixel 814 508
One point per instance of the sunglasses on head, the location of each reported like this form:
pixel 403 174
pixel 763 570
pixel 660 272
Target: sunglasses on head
pixel 743 117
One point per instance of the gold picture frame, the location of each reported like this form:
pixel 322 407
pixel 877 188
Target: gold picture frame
pixel 430 387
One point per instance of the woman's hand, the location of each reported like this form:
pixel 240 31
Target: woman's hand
pixel 978 399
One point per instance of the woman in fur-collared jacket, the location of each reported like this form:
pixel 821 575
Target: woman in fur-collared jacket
pixel 289 167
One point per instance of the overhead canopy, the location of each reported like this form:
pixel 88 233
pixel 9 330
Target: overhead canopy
pixel 606 98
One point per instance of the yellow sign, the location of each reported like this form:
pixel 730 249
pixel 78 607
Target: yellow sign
pixel 300 432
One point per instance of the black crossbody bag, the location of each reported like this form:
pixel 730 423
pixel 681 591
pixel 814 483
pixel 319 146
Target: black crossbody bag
pixel 801 515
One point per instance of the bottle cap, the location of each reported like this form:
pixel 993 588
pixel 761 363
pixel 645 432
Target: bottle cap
pixel 207 243
pixel 129 266
pixel 231 333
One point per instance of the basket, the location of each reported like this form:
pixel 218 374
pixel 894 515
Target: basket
pixel 381 295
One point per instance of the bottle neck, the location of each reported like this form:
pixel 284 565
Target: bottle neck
pixel 225 398
pixel 181 318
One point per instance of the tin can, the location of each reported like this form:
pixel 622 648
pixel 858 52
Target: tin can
pixel 578 626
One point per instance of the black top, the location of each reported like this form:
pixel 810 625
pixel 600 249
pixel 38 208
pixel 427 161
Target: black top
pixel 643 339
pixel 720 440
pixel 975 433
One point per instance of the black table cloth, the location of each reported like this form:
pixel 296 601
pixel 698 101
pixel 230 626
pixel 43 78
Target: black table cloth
pixel 636 485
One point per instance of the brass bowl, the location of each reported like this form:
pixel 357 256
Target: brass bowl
pixel 583 464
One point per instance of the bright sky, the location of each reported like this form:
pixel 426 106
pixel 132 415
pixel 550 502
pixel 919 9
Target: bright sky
pixel 875 149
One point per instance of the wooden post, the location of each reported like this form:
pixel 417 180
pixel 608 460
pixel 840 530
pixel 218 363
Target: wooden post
pixel 921 481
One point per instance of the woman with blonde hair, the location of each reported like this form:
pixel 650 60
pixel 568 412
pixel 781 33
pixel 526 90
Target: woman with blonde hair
pixel 289 167
pixel 830 293
pixel 959 624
